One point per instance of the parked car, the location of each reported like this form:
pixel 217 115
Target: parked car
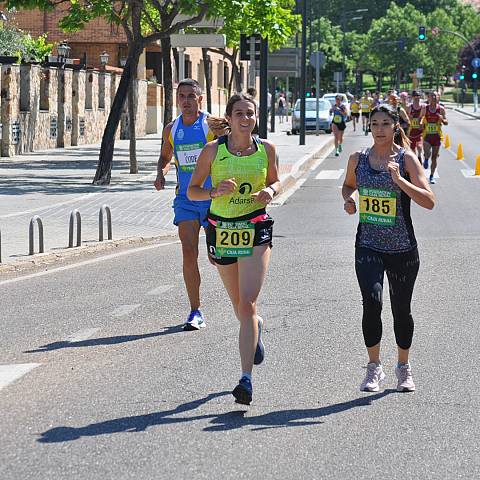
pixel 324 115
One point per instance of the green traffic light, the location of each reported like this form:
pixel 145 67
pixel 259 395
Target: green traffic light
pixel 421 37
pixel 462 77
pixel 474 76
pixel 308 94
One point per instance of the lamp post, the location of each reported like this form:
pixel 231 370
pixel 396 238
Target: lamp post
pixel 344 28
pixel 63 52
pixel 104 56
pixel 122 61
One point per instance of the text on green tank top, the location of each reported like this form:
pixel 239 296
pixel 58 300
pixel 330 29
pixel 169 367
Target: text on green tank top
pixel 250 173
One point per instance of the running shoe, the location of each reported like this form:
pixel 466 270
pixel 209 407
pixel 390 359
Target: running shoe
pixel 405 379
pixel 425 163
pixel 337 152
pixel 243 391
pixel 195 321
pixel 432 180
pixel 366 132
pixel 260 351
pixel 340 148
pixel 373 377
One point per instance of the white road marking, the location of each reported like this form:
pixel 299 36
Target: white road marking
pixel 469 173
pixel 160 290
pixel 124 310
pixel 330 174
pixel 86 262
pixel 82 335
pixel 10 373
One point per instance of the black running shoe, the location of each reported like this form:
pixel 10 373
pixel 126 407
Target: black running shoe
pixel 243 391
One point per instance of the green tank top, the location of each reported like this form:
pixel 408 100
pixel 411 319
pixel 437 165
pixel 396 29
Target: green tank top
pixel 250 173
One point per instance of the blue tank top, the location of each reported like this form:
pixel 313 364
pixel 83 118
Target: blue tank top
pixel 188 141
pixel 384 209
pixel 338 114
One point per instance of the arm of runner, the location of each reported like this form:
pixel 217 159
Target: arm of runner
pixel 349 186
pixel 166 154
pixel 417 188
pixel 273 180
pixel 202 171
pixel 404 115
pixel 444 116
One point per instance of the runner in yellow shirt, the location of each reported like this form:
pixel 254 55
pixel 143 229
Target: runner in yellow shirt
pixel 355 108
pixel 367 105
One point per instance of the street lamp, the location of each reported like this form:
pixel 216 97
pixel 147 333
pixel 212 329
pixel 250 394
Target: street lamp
pixel 123 61
pixel 3 19
pixel 104 56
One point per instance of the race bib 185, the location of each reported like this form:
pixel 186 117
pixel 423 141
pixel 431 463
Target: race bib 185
pixel 378 207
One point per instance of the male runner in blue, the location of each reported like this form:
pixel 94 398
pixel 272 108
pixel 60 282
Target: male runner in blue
pixel 184 138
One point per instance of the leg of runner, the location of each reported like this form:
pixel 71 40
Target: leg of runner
pixel 188 232
pixel 427 151
pixel 335 135
pixel 435 152
pixel 340 139
pixel 243 281
pixel 370 275
pixel 402 270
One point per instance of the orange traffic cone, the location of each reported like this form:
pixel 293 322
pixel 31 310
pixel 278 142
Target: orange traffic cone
pixel 447 141
pixel 460 152
pixel 477 165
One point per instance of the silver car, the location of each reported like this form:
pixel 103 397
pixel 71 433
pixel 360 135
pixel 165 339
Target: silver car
pixel 324 115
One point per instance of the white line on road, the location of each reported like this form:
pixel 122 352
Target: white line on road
pixel 86 262
pixel 10 373
pixel 82 335
pixel 160 290
pixel 124 310
pixel 330 174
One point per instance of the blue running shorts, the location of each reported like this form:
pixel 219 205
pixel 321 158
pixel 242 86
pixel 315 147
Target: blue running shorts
pixel 186 209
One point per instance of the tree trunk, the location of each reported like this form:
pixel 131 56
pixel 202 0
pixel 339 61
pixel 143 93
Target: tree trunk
pixel 208 80
pixel 132 113
pixel 105 159
pixel 167 80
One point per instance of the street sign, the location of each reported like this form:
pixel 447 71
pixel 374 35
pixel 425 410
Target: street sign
pixel 337 76
pixel 284 62
pixel 476 62
pixel 203 40
pixel 419 73
pixel 317 58
pixel 217 22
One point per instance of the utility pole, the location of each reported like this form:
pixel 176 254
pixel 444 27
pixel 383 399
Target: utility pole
pixel 303 72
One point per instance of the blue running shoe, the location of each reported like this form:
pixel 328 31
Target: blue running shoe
pixel 195 321
pixel 432 180
pixel 260 351
pixel 243 391
pixel 425 163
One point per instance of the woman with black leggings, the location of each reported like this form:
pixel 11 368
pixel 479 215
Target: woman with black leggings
pixel 387 177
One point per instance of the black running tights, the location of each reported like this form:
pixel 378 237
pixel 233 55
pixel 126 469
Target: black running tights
pixel 401 269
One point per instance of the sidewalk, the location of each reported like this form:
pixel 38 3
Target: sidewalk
pixel 466 110
pixel 51 184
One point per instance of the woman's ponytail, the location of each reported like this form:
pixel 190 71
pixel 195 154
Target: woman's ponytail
pixel 400 138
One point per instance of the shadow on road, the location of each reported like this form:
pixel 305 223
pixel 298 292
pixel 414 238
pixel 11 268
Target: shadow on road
pixel 227 421
pixel 93 342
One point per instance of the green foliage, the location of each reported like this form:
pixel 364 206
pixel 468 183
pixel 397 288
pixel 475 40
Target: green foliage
pixel 36 49
pixel 11 42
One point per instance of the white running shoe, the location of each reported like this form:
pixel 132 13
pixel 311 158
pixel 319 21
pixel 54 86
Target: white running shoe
pixel 373 377
pixel 405 379
pixel 195 321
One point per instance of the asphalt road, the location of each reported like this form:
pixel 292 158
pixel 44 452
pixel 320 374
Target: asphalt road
pixel 112 388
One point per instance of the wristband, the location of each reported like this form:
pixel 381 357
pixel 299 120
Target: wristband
pixel 273 190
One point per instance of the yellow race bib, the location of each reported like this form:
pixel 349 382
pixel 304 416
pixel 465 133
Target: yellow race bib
pixel 378 207
pixel 234 239
pixel 432 128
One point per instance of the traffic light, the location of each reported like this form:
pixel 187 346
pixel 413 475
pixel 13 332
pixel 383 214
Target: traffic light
pixel 422 34
pixel 474 75
pixel 462 76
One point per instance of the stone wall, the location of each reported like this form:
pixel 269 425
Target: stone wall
pixel 43 108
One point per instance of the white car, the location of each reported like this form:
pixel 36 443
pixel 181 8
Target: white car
pixel 324 115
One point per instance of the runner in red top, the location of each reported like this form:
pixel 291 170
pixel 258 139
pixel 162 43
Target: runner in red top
pixel 435 117
pixel 416 112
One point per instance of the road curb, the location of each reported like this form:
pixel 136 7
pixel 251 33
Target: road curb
pixel 70 255
pixel 463 112
pixel 305 163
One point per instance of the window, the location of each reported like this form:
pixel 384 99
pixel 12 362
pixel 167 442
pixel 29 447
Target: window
pixel 45 89
pixel 101 91
pixel 88 90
